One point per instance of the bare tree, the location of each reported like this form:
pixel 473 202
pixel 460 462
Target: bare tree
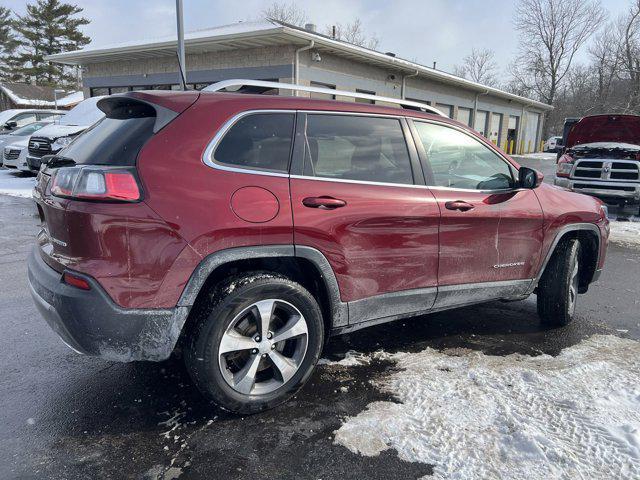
pixel 287 13
pixel 629 32
pixel 353 33
pixel 551 33
pixel 605 53
pixel 479 66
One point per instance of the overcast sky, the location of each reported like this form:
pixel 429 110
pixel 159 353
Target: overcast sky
pixel 420 30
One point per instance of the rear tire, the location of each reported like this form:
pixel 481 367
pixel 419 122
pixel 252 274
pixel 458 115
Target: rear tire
pixel 255 343
pixel 558 287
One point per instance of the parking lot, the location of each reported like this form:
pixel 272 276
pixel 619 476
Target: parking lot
pixel 67 416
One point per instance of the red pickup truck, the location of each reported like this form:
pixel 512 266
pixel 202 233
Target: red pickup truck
pixel 246 229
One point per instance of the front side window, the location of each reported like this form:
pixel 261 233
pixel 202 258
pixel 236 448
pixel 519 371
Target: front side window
pixel 260 141
pixel 360 148
pixel 457 160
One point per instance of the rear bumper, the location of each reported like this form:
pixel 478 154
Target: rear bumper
pixel 90 323
pixel 602 189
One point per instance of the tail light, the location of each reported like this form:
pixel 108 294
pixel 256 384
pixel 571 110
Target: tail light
pixel 564 166
pixel 107 184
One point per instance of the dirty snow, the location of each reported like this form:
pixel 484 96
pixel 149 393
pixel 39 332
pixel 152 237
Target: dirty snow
pixel 625 233
pixel 351 359
pixel 536 156
pixel 472 415
pixel 13 183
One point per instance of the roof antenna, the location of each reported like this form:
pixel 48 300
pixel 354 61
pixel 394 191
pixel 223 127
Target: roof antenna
pixel 181 60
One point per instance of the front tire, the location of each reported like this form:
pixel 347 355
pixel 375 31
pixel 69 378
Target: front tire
pixel 558 287
pixel 255 343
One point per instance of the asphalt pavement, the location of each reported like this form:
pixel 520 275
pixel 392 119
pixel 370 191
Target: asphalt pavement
pixel 66 416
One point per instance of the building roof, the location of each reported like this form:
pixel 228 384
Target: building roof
pixel 28 95
pixel 271 33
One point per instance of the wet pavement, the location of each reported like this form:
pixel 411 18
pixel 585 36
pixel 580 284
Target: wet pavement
pixel 67 416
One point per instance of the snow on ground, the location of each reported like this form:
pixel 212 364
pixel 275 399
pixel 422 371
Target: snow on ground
pixel 472 415
pixel 537 156
pixel 13 183
pixel 625 233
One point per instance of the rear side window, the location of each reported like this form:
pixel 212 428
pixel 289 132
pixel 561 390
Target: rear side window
pixel 260 141
pixel 357 148
pixel 111 142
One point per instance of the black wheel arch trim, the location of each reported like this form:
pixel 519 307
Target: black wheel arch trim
pixel 217 259
pixel 562 232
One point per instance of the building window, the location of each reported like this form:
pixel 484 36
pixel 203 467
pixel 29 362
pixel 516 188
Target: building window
pixel 446 109
pixel 97 92
pixel 496 127
pixel 480 122
pixel 419 100
pixel 365 100
pixel 322 96
pixel 464 116
pixel 118 90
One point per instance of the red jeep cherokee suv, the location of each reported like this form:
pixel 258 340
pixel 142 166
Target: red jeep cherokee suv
pixel 247 229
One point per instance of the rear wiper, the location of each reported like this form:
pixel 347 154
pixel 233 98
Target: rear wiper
pixel 54 161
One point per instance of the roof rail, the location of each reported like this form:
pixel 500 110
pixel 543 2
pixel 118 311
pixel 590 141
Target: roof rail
pixel 263 86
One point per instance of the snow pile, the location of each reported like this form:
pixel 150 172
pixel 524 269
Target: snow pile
pixel 11 183
pixel 351 359
pixel 625 233
pixel 477 416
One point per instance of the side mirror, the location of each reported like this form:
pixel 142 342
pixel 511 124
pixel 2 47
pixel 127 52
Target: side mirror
pixel 10 125
pixel 529 178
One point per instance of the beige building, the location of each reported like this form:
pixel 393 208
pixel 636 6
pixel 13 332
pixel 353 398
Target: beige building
pixel 280 52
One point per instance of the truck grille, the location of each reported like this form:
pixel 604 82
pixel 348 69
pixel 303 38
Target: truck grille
pixel 623 170
pixel 39 146
pixel 11 154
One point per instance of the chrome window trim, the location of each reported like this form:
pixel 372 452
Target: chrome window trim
pixel 360 182
pixel 209 160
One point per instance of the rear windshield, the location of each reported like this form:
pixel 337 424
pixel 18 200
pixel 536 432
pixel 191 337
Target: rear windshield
pixel 111 141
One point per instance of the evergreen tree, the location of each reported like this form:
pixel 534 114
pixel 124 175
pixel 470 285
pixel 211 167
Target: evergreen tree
pixel 8 45
pixel 49 27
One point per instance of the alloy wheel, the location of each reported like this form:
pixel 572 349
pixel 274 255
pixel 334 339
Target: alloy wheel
pixel 263 347
pixel 573 287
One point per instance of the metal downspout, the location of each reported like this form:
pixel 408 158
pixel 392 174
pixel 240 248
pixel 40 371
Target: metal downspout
pixel 296 64
pixel 403 87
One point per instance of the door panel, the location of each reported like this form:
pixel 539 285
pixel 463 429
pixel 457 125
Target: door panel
pixel 520 235
pixel 490 230
pixel 385 239
pixel 468 239
pixel 356 197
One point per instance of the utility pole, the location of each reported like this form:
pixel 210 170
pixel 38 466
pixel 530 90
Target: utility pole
pixel 182 71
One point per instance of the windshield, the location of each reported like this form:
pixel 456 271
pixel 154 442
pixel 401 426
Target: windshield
pixel 29 129
pixel 86 113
